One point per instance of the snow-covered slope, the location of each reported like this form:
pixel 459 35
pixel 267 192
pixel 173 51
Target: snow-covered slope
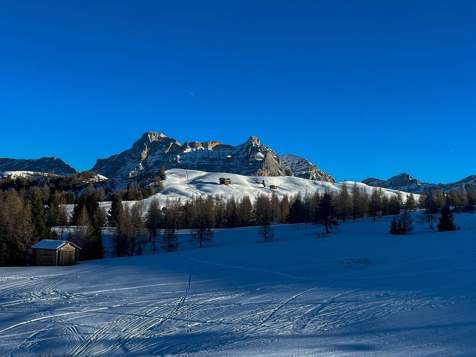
pixel 156 150
pixel 24 174
pixel 183 184
pixel 357 292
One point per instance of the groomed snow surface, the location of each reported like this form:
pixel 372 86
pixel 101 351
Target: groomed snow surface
pixel 358 291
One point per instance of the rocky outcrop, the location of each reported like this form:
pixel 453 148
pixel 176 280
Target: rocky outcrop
pixel 301 167
pixel 49 165
pixel 155 150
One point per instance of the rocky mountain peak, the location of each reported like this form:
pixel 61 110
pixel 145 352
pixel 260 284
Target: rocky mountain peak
pixel 155 150
pixel 253 141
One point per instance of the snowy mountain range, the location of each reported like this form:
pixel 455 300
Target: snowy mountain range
pixel 154 151
pixel 407 183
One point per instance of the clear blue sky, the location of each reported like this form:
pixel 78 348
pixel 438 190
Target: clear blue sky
pixel 361 88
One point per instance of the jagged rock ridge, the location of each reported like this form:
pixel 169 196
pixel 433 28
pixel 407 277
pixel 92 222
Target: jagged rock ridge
pixel 50 165
pixel 155 150
pixel 407 183
pixel 301 167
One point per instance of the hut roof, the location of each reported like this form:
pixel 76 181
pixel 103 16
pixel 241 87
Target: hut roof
pixel 52 244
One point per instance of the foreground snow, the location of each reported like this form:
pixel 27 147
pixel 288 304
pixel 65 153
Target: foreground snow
pixel 359 291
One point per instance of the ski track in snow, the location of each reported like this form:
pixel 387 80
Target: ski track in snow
pixel 351 293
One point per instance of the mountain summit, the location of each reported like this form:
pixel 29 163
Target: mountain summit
pixel 155 150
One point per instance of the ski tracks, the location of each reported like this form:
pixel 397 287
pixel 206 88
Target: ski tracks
pixel 129 327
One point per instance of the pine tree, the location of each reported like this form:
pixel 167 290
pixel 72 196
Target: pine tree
pixel 153 222
pixel 297 212
pixel 89 237
pixel 446 219
pixel 169 239
pixel 343 203
pixel 137 223
pixel 245 212
pixel 395 205
pixel 375 203
pixel 410 204
pixel 284 207
pixel 203 220
pixel 38 214
pixel 116 211
pixel 264 217
pixel 231 214
pixel 325 213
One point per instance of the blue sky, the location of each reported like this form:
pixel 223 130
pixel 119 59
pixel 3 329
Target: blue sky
pixel 361 88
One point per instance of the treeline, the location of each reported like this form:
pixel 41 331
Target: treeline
pixel 70 188
pixel 203 214
pixel 29 214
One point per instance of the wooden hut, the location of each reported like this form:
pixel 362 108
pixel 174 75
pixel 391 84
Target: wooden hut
pixel 55 252
pixel 225 181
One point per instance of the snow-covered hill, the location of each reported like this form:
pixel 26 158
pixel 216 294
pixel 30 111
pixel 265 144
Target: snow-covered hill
pixel 359 291
pixel 183 184
pixel 25 174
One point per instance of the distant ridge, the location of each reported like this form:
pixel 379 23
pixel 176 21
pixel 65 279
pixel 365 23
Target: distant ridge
pixel 50 165
pixel 406 182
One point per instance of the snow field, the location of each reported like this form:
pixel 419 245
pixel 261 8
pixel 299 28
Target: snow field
pixel 357 291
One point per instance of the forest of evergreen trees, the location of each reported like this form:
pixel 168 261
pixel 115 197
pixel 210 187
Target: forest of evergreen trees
pixel 27 215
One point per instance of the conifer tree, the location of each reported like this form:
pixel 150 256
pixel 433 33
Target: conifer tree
pixel 41 230
pixel 325 213
pixel 410 204
pixel 375 203
pixel 169 239
pixel 297 212
pixel 284 207
pixel 264 217
pixel 203 220
pixel 116 211
pixel 343 203
pixel 446 219
pixel 153 222
pixel 231 214
pixel 245 212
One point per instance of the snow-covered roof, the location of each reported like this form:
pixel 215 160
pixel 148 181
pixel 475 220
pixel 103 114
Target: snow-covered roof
pixel 52 244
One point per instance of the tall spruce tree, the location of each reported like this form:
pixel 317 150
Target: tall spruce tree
pixel 343 203
pixel 325 213
pixel 264 217
pixel 446 219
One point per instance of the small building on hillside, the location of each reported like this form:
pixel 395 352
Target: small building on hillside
pixel 225 181
pixel 49 252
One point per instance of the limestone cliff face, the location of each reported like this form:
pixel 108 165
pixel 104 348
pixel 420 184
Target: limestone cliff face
pixel 155 150
pixel 301 167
